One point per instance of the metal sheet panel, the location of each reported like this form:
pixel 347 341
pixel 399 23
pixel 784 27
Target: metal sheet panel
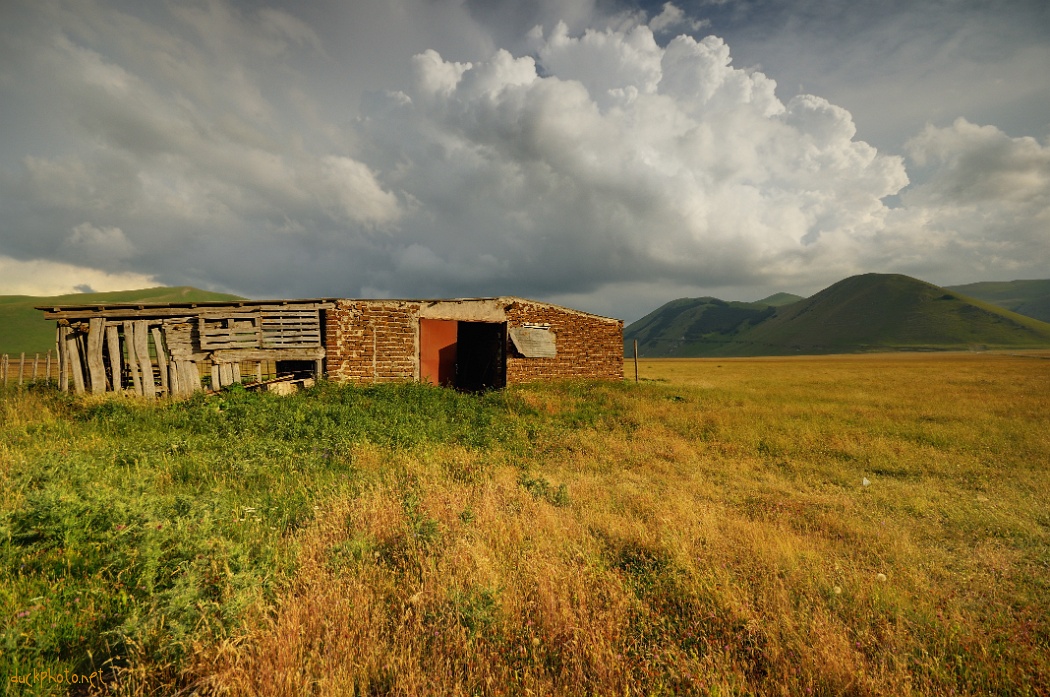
pixel 533 343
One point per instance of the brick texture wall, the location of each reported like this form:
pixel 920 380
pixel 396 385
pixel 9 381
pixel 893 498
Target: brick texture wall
pixel 368 340
pixel 378 340
pixel 586 346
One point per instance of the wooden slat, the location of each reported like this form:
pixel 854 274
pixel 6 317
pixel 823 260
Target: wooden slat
pixel 96 368
pixel 115 367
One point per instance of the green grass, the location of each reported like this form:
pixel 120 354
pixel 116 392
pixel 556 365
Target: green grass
pixel 705 532
pixel 23 328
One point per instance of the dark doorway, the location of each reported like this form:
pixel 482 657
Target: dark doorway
pixel 480 363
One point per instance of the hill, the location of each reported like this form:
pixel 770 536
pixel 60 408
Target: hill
pixel 871 312
pixel 690 327
pixel 23 328
pixel 1029 298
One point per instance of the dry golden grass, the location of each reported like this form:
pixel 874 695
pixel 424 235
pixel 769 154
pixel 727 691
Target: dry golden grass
pixel 708 532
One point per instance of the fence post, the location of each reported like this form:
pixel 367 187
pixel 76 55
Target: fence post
pixel 3 366
pixel 21 368
pixel 48 378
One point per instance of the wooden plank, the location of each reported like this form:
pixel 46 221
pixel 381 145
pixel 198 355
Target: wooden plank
pixel 96 368
pixel 133 360
pixel 76 370
pixel 189 376
pixel 149 383
pixel 286 354
pixel 116 370
pixel 174 382
pixel 226 373
pixel 162 360
pixel 63 359
pixel 236 367
pixel 216 377
pixel 161 311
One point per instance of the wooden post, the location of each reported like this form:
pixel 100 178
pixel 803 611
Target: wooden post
pixel 36 362
pixel 636 360
pixel 149 385
pixel 3 366
pixel 95 340
pixel 162 360
pixel 21 368
pixel 258 371
pixel 375 373
pixel 48 369
pixel 216 382
pixel 115 368
pixel 63 359
pixel 73 351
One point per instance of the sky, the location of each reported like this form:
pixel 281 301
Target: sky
pixel 609 155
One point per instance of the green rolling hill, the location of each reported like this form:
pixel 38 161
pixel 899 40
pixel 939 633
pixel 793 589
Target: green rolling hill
pixel 696 326
pixel 1029 298
pixel 871 312
pixel 23 328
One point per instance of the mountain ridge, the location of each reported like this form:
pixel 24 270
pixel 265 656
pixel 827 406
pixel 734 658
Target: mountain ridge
pixel 868 312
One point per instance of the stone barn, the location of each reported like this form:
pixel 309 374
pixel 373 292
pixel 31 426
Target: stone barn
pixel 470 344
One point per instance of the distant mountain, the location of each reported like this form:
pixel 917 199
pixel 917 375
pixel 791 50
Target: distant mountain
pixel 779 299
pixel 1029 298
pixel 23 328
pixel 696 326
pixel 872 312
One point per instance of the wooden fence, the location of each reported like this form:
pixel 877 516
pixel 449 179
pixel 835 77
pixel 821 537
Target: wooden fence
pixel 38 368
pixel 22 369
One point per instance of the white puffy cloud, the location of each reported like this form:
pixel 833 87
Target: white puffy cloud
pixel 617 160
pixel 982 207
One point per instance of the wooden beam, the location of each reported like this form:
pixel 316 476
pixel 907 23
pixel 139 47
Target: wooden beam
pixel 96 369
pixel 297 354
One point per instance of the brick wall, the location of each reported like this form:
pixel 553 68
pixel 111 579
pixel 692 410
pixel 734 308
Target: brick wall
pixel 369 340
pixel 587 346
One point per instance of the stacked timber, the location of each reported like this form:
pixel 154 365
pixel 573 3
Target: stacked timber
pixel 167 349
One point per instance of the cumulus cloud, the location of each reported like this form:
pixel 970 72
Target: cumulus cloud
pixel 615 160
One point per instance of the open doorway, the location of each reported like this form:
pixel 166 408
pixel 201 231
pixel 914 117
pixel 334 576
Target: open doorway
pixel 469 356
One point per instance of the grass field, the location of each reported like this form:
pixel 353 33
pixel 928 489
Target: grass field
pixel 863 525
